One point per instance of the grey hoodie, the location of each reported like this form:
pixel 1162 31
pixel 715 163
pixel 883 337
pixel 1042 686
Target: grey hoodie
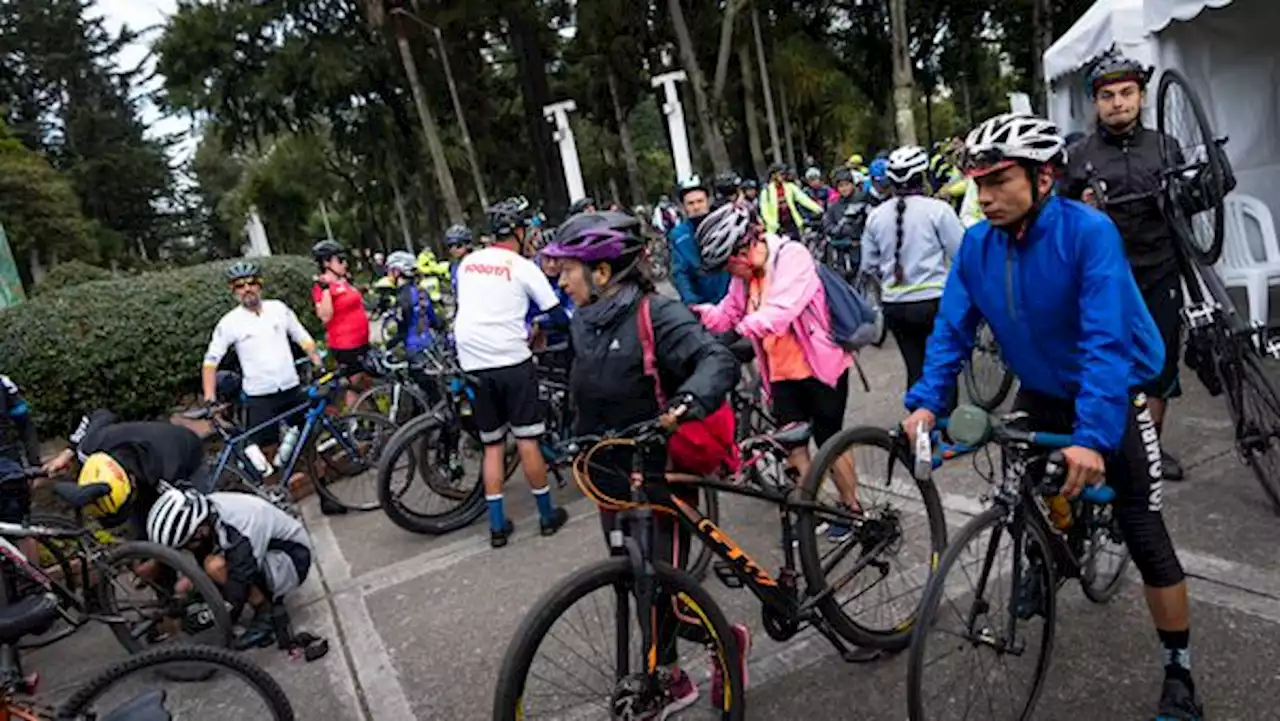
pixel 931 234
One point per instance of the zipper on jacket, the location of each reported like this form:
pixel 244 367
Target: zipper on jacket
pixel 1008 281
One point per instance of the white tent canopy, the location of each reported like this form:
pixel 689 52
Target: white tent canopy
pixel 1107 23
pixel 1157 14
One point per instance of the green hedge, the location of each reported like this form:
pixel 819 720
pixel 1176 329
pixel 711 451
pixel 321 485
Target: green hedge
pixel 133 345
pixel 68 274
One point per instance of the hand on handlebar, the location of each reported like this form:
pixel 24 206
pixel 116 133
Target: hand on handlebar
pixel 58 463
pixel 1085 467
pixel 913 421
pixel 676 409
pixel 1089 197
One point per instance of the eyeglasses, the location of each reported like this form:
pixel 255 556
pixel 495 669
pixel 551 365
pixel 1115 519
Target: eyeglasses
pixel 245 283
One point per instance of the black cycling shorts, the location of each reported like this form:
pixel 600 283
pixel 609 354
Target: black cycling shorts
pixel 814 402
pixel 1163 293
pixel 350 360
pixel 1133 471
pixel 260 409
pixel 507 399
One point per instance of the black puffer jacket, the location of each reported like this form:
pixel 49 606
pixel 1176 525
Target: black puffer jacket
pixel 846 217
pixel 607 382
pixel 1128 164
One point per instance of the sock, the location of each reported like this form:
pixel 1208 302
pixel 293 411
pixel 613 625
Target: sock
pixel 497 514
pixel 545 506
pixel 1176 654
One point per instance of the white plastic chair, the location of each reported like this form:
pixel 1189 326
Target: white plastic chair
pixel 1250 257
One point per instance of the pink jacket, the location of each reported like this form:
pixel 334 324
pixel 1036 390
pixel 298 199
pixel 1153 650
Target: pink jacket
pixel 795 300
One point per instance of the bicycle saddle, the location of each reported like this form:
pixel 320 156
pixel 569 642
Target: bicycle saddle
pixel 31 616
pixel 147 707
pixel 78 496
pixel 793 435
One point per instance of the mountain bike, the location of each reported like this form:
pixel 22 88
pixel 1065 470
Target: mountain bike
pixel 868 286
pixel 987 380
pixel 347 446
pixel 627 594
pixel 992 601
pixel 842 255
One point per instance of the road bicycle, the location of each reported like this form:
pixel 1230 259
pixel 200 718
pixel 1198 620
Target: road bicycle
pixel 344 446
pixel 626 594
pixel 987 380
pixel 92 581
pixel 992 601
pixel 395 394
pixel 1230 355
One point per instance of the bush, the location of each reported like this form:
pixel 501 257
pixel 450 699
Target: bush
pixel 133 345
pixel 68 274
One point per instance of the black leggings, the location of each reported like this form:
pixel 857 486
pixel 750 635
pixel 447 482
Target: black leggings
pixel 1133 471
pixel 911 323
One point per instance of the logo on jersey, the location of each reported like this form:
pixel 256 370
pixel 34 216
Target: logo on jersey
pixel 501 270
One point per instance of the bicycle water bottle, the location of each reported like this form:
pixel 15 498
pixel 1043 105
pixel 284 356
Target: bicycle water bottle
pixel 257 458
pixel 286 446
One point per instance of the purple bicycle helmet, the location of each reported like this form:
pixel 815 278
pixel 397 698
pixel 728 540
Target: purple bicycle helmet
pixel 607 237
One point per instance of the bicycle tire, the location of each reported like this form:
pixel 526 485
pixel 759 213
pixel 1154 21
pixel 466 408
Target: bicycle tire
pixel 1101 589
pixel 987 399
pixel 509 694
pixel 899 636
pixel 413 403
pixel 1173 210
pixel 1255 383
pixel 219 635
pixel 871 292
pixel 992 518
pixel 346 469
pixel 78 705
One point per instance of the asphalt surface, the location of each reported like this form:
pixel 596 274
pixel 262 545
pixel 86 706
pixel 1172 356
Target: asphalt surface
pixel 419 624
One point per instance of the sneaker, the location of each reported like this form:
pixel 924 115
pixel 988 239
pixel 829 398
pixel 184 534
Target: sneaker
pixel 260 633
pixel 678 693
pixel 1171 469
pixel 743 635
pixel 1178 702
pixel 559 517
pixel 498 539
pixel 838 531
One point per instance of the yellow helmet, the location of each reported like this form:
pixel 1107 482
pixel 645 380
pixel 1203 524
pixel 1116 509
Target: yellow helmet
pixel 855 160
pixel 102 468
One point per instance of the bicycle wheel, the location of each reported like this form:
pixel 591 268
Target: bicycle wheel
pixel 235 480
pixel 396 400
pixel 1192 166
pixel 987 379
pixel 556 667
pixel 1105 557
pixel 342 458
pixel 1258 432
pixel 870 290
pixel 970 605
pixel 873 594
pixel 93 698
pixel 138 569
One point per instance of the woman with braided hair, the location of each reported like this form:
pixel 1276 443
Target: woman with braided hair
pixel 908 243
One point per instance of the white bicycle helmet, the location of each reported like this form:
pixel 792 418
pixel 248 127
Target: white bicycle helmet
pixel 724 231
pixel 403 261
pixel 1007 139
pixel 906 163
pixel 176 515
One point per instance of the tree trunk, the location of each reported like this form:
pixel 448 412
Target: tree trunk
pixel 786 126
pixel 624 138
pixel 903 86
pixel 764 86
pixel 404 219
pixel 476 177
pixel 447 189
pixel 726 46
pixel 1041 39
pixel 611 173
pixel 714 142
pixel 749 109
pixel 536 92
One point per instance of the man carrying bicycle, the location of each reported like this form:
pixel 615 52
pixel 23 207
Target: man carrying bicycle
pixel 1123 158
pixel 19 447
pixel 260 331
pixel 1049 277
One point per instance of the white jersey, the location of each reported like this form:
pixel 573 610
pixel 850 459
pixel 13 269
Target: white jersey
pixel 261 341
pixel 495 287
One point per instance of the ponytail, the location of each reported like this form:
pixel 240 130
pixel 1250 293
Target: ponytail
pixel 899 276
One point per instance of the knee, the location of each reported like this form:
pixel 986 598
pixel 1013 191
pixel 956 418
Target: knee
pixel 215 566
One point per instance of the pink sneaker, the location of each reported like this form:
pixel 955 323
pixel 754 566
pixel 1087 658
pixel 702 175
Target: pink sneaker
pixel 680 694
pixel 743 634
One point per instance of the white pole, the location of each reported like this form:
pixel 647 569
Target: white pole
pixel 558 113
pixel 675 122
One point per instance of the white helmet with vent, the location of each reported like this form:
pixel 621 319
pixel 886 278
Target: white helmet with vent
pixel 1006 139
pixel 906 163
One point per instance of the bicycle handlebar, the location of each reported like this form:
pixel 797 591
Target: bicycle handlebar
pixel 30 473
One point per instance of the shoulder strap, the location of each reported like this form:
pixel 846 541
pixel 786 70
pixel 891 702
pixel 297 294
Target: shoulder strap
pixel 644 330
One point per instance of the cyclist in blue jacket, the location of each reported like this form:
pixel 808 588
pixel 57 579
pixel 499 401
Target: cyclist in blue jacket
pixel 694 285
pixel 1050 277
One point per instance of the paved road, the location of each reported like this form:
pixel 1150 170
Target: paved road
pixel 420 623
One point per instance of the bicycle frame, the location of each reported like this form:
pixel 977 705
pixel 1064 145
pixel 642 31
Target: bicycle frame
pixel 66 597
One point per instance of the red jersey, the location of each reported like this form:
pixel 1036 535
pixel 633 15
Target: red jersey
pixel 348 329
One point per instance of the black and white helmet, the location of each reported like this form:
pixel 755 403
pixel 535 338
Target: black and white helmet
pixel 906 163
pixel 723 232
pixel 1011 138
pixel 176 515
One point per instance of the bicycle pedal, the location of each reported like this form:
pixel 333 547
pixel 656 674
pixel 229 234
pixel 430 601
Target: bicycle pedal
pixel 727 573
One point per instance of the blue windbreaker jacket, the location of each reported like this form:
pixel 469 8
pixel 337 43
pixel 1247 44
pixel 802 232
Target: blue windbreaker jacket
pixel 1065 310
pixel 693 286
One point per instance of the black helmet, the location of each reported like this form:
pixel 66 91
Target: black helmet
pixel 842 175
pixel 580 205
pixel 457 235
pixel 505 216
pixel 242 269
pixel 727 183
pixel 777 169
pixel 326 249
pixel 1112 67
pixel 750 184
